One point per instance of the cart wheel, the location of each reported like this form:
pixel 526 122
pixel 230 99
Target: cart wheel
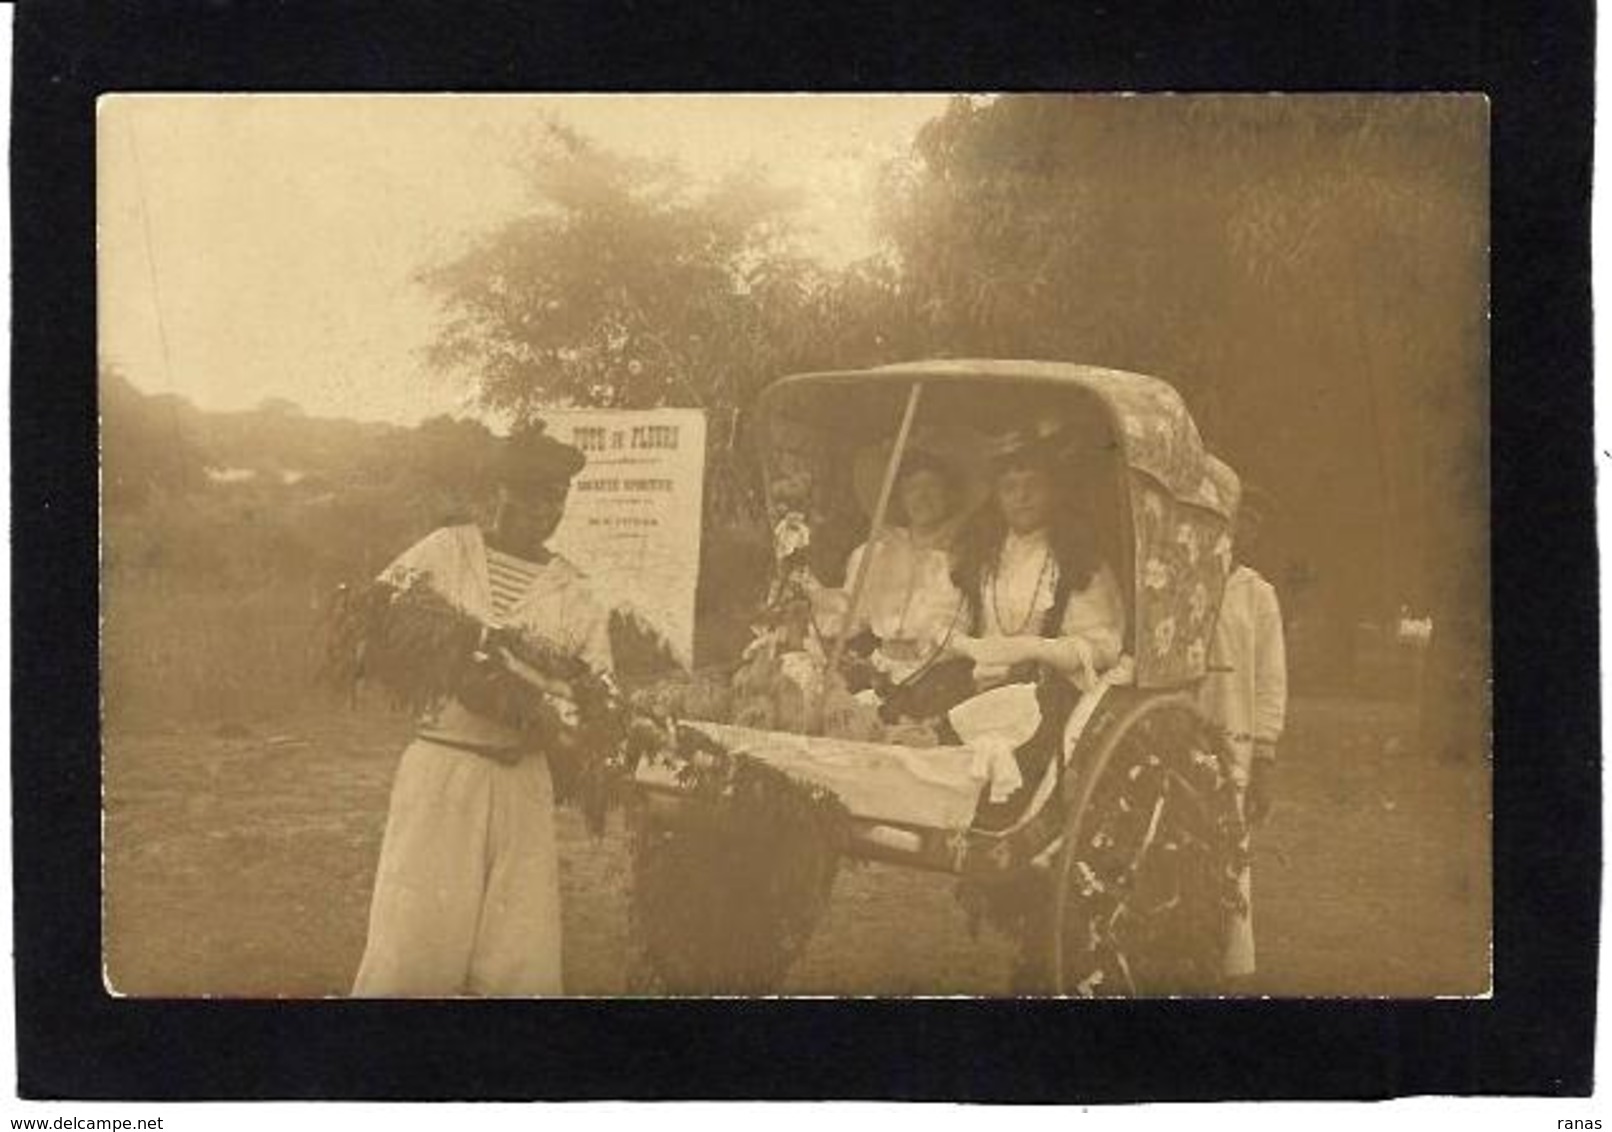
pixel 1146 880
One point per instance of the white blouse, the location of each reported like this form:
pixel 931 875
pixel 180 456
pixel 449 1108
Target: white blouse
pixel 1016 596
pixel 907 601
pixel 908 592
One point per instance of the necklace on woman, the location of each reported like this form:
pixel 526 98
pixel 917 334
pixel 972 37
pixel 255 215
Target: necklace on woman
pixel 906 600
pixel 1029 609
pixel 918 544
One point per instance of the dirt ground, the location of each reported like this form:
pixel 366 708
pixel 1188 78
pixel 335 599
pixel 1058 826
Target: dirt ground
pixel 239 861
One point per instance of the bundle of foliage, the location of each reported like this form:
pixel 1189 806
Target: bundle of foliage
pixel 422 650
pixel 727 901
pixel 724 901
pixel 638 650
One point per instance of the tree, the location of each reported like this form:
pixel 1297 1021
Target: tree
pixel 146 448
pixel 626 284
pixel 280 407
pixel 1309 272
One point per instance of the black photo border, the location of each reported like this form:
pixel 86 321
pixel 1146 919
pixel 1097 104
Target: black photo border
pixel 1535 1035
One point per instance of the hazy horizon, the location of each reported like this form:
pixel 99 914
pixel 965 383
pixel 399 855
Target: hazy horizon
pixel 257 246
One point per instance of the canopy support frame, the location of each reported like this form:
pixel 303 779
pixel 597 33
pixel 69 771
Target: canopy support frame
pixel 859 581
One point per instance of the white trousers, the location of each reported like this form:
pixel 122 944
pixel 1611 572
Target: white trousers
pixel 467 892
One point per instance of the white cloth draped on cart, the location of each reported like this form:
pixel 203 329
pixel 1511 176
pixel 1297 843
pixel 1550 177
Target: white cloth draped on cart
pixel 994 724
pixel 933 787
pixel 466 894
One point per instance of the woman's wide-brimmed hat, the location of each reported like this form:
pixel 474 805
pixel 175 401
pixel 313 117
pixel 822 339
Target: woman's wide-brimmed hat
pixel 1043 440
pixel 529 458
pixel 957 453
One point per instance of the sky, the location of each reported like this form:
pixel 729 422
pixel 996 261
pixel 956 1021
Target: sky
pixel 257 246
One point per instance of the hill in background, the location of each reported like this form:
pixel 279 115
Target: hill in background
pixel 225 534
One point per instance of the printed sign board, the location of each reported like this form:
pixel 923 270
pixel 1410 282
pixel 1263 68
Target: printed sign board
pixel 633 520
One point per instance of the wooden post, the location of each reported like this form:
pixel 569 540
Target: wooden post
pixel 886 489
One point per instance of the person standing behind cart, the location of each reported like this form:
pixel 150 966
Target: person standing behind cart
pixel 1245 693
pixel 1042 608
pixel 467 896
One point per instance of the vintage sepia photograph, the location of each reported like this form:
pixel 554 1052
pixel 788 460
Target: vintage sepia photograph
pixel 987 545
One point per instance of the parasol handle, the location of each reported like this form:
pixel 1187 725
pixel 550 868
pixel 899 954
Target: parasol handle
pixel 886 489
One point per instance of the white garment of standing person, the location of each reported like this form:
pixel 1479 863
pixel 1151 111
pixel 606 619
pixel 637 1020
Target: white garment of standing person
pixel 467 894
pixel 1245 692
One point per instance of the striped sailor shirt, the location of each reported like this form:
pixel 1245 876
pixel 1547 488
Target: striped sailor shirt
pixel 510 578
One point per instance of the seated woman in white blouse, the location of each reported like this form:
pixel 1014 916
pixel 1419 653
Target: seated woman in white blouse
pixel 1040 606
pixel 908 605
pixel 1037 593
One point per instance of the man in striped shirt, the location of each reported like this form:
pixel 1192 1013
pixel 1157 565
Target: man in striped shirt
pixel 467 896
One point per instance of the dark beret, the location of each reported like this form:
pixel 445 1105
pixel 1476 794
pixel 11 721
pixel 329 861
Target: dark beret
pixel 529 457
